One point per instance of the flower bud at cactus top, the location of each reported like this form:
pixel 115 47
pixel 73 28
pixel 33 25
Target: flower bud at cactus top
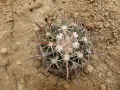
pixel 64 46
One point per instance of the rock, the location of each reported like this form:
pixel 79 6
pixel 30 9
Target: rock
pixel 38 5
pixel 89 69
pixel 4 50
pixel 63 1
pixel 8 2
pixel 115 35
pixel 9 19
pixel 67 86
pixel 59 8
pixel 19 43
pixel 3 62
pixel 95 57
pixel 14 47
pixel 106 24
pixel 2 33
pixel 118 71
pixel 34 25
pixel 101 25
pixel 108 81
pixel 92 1
pixel 20 87
pixel 22 81
pixel 75 81
pixel 44 88
pixel 109 88
pixel 36 29
pixel 54 0
pixel 84 79
pixel 102 87
pixel 113 54
pixel 109 74
pixel 35 5
pixel 100 75
pixel 75 14
pixel 108 47
pixel 18 62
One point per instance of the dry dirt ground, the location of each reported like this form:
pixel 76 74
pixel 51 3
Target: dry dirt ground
pixel 17 28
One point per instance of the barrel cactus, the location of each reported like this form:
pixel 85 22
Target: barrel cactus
pixel 65 46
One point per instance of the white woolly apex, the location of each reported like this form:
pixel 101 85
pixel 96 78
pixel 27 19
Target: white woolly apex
pixel 54 61
pixel 76 45
pixel 50 44
pixel 59 36
pixel 75 35
pixel 84 39
pixel 59 48
pixel 47 34
pixel 64 27
pixel 80 55
pixel 66 57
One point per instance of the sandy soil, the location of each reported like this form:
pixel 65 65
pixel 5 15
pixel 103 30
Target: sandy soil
pixel 17 28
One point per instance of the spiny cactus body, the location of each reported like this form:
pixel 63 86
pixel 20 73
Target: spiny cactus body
pixel 64 47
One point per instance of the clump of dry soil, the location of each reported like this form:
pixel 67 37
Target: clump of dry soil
pixel 17 28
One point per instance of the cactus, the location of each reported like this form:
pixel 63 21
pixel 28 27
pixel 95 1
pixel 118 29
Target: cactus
pixel 64 47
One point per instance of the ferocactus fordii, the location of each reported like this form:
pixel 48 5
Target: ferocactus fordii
pixel 65 46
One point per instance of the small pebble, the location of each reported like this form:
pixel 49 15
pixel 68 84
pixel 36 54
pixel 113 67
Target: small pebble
pixel 63 1
pixel 99 75
pixel 34 25
pixel 106 24
pixel 103 87
pixel 44 88
pixel 36 29
pixel 14 47
pixel 8 2
pixel 91 1
pixel 18 43
pixel 38 5
pixel 20 87
pixel 3 62
pixel 4 50
pixel 118 72
pixel 18 63
pixel 89 69
pixel 54 0
pixel 9 19
pixel 109 88
pixel 67 86
pixel 109 81
pixel 95 57
pixel 109 74
pixel 115 35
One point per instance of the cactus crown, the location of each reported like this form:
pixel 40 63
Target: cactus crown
pixel 64 47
